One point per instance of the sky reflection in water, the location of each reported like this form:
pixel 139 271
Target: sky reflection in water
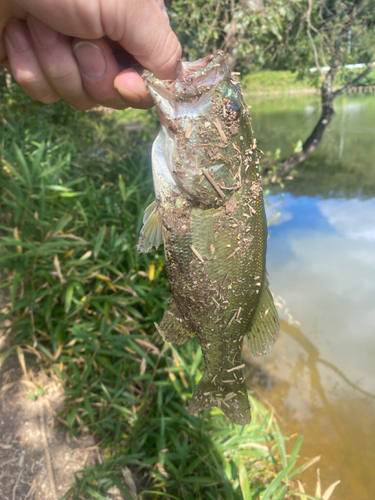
pixel 321 261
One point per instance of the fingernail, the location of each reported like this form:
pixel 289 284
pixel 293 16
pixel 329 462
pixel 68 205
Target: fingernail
pixel 44 35
pixel 17 35
pixel 129 95
pixel 90 60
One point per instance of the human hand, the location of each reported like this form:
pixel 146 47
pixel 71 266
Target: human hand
pixel 77 49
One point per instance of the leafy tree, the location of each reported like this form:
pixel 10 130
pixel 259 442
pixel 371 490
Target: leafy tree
pixel 249 31
pixel 338 33
pixel 286 34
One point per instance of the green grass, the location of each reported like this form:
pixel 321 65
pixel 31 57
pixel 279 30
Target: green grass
pixel 274 81
pixel 269 82
pixel 83 302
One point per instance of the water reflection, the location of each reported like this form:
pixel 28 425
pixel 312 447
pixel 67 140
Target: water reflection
pixel 321 259
pixel 343 164
pixel 353 219
pixel 336 416
pixel 322 262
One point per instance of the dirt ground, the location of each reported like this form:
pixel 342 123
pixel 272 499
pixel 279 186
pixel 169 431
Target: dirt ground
pixel 37 458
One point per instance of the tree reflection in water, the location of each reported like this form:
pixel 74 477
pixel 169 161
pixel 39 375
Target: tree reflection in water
pixel 311 396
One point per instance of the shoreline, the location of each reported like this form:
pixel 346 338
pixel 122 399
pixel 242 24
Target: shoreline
pixel 361 89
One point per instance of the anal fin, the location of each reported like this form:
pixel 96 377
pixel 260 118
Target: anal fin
pixel 151 233
pixel 265 326
pixel 175 328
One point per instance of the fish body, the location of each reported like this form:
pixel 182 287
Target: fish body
pixel 209 213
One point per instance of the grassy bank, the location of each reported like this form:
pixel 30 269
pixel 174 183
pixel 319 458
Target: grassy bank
pixel 274 82
pixel 270 82
pixel 83 302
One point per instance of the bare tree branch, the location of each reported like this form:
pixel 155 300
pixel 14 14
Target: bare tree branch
pixel 347 25
pixel 212 27
pixel 335 43
pixel 309 27
pixel 311 143
pixel 356 80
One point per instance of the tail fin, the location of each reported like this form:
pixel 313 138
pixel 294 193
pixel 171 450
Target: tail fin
pixel 227 390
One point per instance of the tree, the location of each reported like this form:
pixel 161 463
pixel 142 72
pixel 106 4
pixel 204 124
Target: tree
pixel 339 32
pixel 285 34
pixel 249 31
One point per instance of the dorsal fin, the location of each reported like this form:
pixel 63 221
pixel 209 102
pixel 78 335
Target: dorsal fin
pixel 265 325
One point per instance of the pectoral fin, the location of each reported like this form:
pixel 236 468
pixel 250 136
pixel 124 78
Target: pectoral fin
pixel 151 233
pixel 265 325
pixel 174 327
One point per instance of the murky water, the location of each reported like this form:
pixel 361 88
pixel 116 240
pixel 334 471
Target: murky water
pixel 321 262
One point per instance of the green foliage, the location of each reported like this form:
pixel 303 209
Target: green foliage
pixel 83 304
pixel 327 34
pixel 274 34
pixel 252 36
pixel 185 456
pixel 346 75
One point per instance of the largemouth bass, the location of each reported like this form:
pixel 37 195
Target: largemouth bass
pixel 209 213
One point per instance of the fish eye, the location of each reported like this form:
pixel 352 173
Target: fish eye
pixel 231 110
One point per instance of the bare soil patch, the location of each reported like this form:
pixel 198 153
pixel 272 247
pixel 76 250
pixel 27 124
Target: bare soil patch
pixel 38 457
pixel 37 460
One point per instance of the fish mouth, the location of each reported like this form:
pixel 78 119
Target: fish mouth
pixel 207 71
pixel 194 81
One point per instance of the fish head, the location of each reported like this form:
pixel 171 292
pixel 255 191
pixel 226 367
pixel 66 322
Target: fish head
pixel 203 121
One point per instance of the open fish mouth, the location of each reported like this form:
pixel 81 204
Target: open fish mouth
pixel 196 80
pixel 207 71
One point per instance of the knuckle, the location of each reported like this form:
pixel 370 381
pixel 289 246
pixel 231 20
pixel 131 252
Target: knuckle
pixel 58 75
pixel 83 106
pixel 117 104
pixel 169 55
pixel 80 101
pixel 25 79
pixel 49 99
pixel 36 88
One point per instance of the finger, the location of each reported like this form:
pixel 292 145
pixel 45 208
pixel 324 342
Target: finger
pixel 98 69
pixel 162 7
pixel 140 26
pixel 144 32
pixel 58 64
pixel 24 64
pixel 8 10
pixel 5 63
pixel 133 90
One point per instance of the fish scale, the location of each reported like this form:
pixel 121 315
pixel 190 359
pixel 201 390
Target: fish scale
pixel 210 211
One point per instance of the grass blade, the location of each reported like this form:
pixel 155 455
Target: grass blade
pixel 244 482
pixel 99 241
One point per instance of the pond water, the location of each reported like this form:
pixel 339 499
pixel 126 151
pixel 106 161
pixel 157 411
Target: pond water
pixel 320 377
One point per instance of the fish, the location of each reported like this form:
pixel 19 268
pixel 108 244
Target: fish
pixel 209 214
